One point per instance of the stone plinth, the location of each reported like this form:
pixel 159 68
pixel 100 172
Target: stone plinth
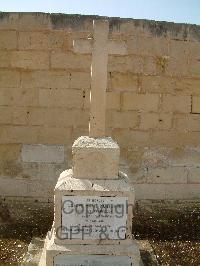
pixel 84 209
pixel 77 255
pixel 95 158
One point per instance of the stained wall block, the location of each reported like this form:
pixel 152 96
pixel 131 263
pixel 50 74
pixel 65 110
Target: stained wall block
pixel 39 153
pixel 196 104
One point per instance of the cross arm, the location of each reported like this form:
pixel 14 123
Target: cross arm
pixel 115 47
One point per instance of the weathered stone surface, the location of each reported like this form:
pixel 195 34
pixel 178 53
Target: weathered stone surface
pixel 186 157
pixel 176 175
pixel 42 171
pixel 9 78
pixel 194 175
pixel 27 188
pixel 30 60
pixel 95 158
pixel 8 40
pixel 142 102
pixel 179 104
pixel 43 153
pixel 167 191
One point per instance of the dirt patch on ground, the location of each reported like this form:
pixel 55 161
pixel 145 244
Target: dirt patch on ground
pixel 173 231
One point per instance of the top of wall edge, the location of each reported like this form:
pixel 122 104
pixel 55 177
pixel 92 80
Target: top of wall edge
pixel 45 21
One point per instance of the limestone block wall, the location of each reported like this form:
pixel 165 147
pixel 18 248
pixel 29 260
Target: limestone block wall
pixel 153 102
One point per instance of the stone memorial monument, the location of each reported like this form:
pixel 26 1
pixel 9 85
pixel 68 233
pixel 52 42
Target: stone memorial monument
pixel 93 201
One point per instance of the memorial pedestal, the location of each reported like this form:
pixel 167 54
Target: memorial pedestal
pixel 92 217
pixel 93 211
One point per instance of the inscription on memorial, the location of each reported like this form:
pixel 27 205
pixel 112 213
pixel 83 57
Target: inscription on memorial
pixel 93 217
pixel 91 260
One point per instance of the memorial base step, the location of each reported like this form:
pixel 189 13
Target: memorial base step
pixel 89 255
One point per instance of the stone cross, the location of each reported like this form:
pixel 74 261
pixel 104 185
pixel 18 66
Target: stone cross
pixel 100 47
pixel 98 79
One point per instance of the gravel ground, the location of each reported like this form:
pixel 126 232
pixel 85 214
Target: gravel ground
pixel 17 233
pixel 173 231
